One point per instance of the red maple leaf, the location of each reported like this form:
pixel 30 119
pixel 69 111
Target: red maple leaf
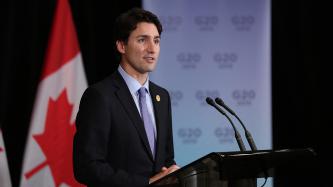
pixel 57 142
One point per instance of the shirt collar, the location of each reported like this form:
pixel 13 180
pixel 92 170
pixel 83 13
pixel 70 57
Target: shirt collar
pixel 132 84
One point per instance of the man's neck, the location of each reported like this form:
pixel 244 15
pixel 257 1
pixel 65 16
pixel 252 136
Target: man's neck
pixel 140 77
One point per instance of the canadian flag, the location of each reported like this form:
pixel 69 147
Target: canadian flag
pixel 4 171
pixel 48 153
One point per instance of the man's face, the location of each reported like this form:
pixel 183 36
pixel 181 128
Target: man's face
pixel 141 52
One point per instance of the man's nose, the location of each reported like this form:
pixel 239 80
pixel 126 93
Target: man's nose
pixel 151 47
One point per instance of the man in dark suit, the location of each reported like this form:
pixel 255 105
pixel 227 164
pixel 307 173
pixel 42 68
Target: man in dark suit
pixel 124 127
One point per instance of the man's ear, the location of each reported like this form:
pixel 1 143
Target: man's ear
pixel 120 46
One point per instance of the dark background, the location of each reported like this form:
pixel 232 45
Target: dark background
pixel 299 72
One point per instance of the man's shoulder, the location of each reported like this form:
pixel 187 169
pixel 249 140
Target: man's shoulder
pixel 108 84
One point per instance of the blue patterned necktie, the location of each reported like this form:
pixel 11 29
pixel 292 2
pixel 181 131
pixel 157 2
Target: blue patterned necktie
pixel 148 123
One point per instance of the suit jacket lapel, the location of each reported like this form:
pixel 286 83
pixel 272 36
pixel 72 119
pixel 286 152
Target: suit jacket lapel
pixel 128 103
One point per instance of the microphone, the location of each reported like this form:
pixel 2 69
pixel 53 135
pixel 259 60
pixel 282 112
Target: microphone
pixel 240 143
pixel 247 133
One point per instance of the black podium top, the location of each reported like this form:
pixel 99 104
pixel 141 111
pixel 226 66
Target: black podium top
pixel 241 165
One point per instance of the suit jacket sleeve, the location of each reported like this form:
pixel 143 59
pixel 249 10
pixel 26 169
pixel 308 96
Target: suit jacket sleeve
pixel 91 143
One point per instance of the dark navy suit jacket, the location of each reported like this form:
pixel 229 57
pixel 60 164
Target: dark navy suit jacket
pixel 110 145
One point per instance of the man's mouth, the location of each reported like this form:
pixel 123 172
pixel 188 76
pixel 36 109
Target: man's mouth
pixel 149 58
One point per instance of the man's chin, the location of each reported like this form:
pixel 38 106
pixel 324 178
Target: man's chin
pixel 147 70
pixel 150 68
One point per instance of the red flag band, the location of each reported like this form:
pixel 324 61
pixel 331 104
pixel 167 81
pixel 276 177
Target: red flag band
pixel 48 153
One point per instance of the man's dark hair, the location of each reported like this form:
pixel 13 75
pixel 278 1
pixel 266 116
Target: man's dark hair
pixel 127 22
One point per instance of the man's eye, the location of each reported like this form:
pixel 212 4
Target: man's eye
pixel 157 41
pixel 141 40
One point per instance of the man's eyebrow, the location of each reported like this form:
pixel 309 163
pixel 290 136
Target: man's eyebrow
pixel 147 36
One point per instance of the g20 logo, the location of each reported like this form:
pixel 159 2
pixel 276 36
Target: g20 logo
pixel 243 22
pixel 189 135
pixel 244 97
pixel 206 22
pixel 188 60
pixel 171 23
pixel 225 60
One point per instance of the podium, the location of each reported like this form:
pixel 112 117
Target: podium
pixel 237 169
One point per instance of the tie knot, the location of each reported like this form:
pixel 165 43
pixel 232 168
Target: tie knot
pixel 142 92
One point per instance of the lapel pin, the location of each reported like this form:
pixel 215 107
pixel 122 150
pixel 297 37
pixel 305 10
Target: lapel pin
pixel 158 98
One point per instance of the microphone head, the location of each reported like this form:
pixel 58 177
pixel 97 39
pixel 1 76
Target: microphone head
pixel 219 101
pixel 210 101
